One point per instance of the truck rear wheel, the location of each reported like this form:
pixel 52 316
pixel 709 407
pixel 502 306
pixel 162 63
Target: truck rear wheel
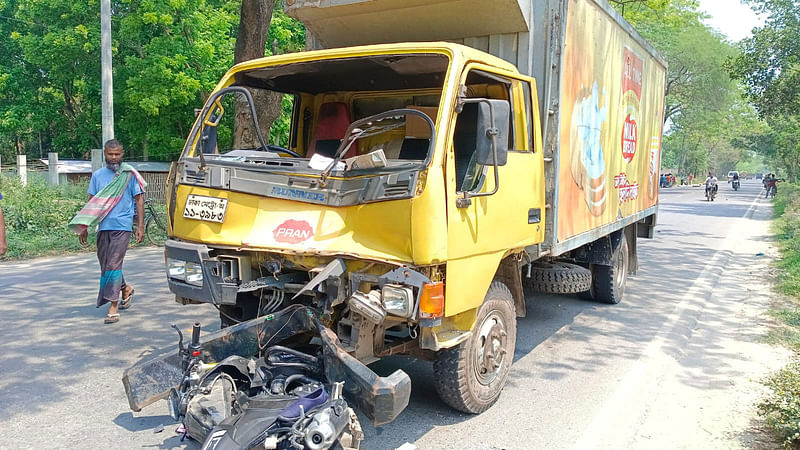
pixel 470 376
pixel 558 278
pixel 608 282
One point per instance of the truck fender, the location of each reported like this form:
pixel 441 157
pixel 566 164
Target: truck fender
pixel 510 274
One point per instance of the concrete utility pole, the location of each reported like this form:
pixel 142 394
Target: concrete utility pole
pixel 52 168
pixel 107 76
pixel 97 159
pixel 22 169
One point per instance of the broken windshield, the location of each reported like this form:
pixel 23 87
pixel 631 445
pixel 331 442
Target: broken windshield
pixel 325 116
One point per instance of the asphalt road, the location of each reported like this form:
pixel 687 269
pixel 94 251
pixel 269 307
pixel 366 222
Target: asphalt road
pixel 676 365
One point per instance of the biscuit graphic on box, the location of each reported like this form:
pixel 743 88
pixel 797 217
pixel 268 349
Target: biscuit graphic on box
pixel 587 162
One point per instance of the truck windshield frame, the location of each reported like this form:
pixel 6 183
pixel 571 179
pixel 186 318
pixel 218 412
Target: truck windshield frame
pixel 378 156
pixel 414 72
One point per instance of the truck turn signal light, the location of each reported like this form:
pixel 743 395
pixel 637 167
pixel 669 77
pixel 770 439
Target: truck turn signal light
pixel 431 302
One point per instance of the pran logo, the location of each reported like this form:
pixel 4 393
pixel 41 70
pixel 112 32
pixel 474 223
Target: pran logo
pixel 293 231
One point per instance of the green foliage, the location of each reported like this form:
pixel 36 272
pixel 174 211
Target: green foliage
pixel 769 67
pixel 781 409
pixel 704 112
pixel 37 215
pixel 769 64
pixel 168 56
pixel 787 231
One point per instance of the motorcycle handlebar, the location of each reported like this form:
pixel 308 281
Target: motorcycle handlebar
pixel 196 334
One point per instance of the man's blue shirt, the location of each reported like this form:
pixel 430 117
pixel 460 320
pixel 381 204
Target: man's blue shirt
pixel 121 217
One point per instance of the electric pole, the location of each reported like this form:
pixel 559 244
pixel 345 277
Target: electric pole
pixel 107 76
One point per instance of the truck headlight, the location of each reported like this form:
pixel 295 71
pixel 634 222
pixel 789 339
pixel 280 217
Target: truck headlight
pixel 188 272
pixel 194 274
pixel 176 269
pixel 398 300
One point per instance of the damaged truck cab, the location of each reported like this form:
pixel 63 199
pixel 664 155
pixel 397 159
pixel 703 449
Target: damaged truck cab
pixel 400 209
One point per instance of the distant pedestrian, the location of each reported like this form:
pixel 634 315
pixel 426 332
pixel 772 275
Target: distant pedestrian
pixel 691 177
pixel 116 191
pixel 3 245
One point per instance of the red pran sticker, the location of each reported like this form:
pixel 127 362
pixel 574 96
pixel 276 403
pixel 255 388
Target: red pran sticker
pixel 629 134
pixel 293 231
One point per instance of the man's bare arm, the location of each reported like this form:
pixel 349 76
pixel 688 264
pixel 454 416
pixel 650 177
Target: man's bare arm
pixel 139 199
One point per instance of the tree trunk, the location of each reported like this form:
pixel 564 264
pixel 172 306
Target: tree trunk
pixel 251 40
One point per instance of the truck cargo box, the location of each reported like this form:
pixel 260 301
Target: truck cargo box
pixel 600 86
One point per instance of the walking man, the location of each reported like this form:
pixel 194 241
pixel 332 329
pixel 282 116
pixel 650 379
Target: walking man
pixel 115 192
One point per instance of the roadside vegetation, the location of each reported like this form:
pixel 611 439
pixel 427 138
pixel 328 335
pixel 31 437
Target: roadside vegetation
pixel 781 409
pixel 36 218
pixel 37 215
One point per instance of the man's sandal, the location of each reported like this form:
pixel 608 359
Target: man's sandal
pixel 126 302
pixel 111 318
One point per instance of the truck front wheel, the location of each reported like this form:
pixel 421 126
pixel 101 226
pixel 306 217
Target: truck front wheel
pixel 470 376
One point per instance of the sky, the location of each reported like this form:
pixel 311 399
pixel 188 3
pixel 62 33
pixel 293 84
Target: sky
pixel 730 17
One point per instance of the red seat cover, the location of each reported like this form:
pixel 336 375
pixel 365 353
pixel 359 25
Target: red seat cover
pixel 334 118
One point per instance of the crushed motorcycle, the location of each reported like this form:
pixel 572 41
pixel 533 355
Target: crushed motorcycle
pixel 280 381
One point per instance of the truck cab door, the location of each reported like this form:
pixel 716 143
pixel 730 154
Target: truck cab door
pixel 483 229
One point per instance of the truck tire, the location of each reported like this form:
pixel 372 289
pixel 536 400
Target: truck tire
pixel 558 278
pixel 608 282
pixel 470 376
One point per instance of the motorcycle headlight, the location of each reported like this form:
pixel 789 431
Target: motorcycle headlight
pixel 176 269
pixel 398 300
pixel 194 274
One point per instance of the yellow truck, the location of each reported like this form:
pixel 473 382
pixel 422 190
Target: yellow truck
pixel 443 159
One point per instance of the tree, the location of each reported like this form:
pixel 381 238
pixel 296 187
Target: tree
pixel 168 56
pixel 251 40
pixel 769 68
pixel 769 63
pixel 263 22
pixel 703 108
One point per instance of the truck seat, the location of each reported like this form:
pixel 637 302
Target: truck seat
pixel 334 118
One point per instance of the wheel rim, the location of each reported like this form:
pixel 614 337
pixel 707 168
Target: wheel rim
pixel 620 268
pixel 490 348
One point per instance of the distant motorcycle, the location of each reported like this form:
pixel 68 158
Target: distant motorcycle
pixel 711 192
pixel 735 185
pixel 771 191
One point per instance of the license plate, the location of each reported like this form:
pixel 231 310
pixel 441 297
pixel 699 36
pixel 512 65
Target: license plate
pixel 209 209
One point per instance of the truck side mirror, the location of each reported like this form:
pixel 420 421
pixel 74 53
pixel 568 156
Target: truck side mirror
pixel 492 131
pixel 491 140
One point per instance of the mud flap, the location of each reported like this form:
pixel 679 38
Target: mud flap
pixel 381 399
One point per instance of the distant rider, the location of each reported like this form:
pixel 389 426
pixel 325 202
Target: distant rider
pixel 711 181
pixel 771 183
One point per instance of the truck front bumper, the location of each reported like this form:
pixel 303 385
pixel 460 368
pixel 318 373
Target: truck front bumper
pixel 214 288
pixel 381 399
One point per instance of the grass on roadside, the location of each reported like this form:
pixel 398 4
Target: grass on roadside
pixel 36 217
pixel 781 408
